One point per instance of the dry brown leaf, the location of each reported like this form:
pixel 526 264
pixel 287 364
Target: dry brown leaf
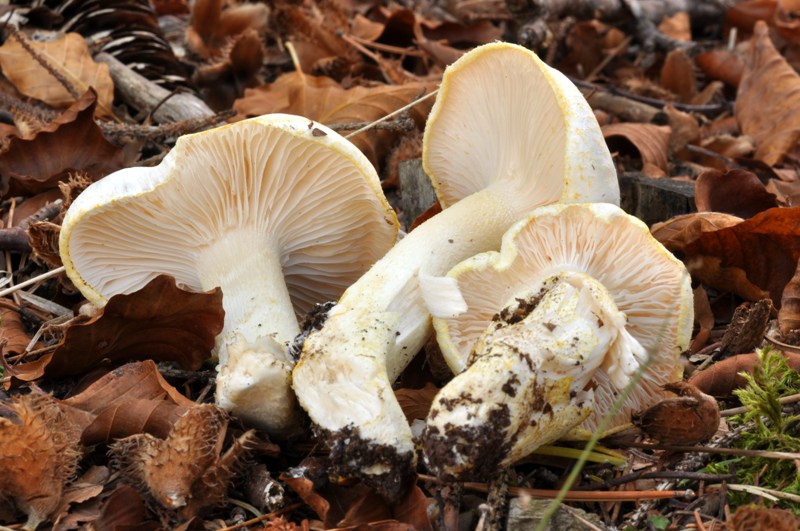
pixel 684 126
pixel 723 65
pixel 70 56
pixel 722 378
pixel 789 314
pixel 371 512
pixel 650 141
pixel 676 233
pixel 760 252
pixel 704 317
pixel 744 15
pixel 737 192
pixel 690 418
pixel 322 99
pixel 39 452
pixel 415 403
pixel 677 75
pixel 768 101
pixel 159 321
pixel 72 142
pixel 12 331
pixel 212 27
pixel 124 509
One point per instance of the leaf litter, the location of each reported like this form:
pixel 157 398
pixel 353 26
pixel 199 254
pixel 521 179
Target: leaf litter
pixel 104 420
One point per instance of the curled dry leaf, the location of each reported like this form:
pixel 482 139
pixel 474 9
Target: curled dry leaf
pixel 789 314
pixel 124 509
pixel 72 142
pixel 12 331
pixel 722 378
pixel 723 65
pixel 322 99
pixel 678 76
pixel 211 27
pixel 39 452
pixel 129 400
pixel 690 418
pixel 159 321
pixel 187 471
pixel 70 56
pixel 704 317
pixel 754 258
pixel 651 142
pixel 768 101
pixel 416 403
pixel 737 192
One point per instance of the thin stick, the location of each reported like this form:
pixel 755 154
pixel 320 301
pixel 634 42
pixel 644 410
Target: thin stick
pixel 393 114
pixel 263 517
pixel 34 280
pixel 724 451
pixel 791 399
pixel 583 495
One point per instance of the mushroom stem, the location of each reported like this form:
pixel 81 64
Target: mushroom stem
pixel 527 383
pixel 260 321
pixel 378 326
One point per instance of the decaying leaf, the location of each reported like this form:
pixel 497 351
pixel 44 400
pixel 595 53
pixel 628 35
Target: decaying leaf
pixel 70 56
pixel 704 317
pixel 415 403
pixel 12 331
pixel 124 509
pixel 754 258
pixel 723 65
pixel 789 314
pixel 72 142
pixel 324 100
pixel 677 75
pixel 213 24
pixel 651 142
pixel 39 452
pixel 187 471
pixel 737 192
pixel 722 378
pixel 159 321
pixel 692 417
pixel 768 102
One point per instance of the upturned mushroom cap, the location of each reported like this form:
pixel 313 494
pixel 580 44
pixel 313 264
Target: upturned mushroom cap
pixel 279 211
pixel 578 299
pixel 526 137
pixel 503 118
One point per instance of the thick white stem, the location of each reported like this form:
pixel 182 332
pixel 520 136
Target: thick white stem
pixel 528 384
pixel 344 376
pixel 260 322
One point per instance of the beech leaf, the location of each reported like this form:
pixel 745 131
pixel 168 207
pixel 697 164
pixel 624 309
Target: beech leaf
pixel 651 141
pixel 736 192
pixel 322 99
pixel 768 101
pixel 159 321
pixel 73 141
pixel 70 56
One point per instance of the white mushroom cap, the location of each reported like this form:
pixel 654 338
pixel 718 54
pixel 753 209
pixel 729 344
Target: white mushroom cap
pixel 648 285
pixel 279 211
pixel 504 119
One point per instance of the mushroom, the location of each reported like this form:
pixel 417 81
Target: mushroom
pixel 507 133
pixel 579 298
pixel 278 211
